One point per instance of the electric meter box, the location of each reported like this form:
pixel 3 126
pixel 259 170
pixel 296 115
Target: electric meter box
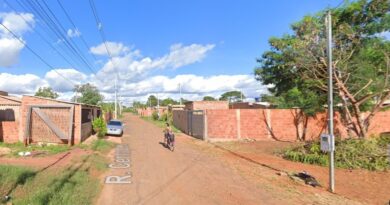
pixel 327 144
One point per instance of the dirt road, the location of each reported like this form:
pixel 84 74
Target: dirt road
pixel 198 173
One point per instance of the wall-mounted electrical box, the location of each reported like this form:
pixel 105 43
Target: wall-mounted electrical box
pixel 327 144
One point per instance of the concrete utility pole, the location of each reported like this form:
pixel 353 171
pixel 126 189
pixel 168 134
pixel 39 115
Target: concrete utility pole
pixel 330 100
pixel 115 104
pixel 180 92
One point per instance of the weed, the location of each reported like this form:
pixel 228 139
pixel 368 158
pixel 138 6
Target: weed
pixel 102 145
pixel 12 176
pixel 350 153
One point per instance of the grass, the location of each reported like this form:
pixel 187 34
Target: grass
pixel 370 154
pixel 159 123
pixel 102 145
pixel 78 183
pixel 48 149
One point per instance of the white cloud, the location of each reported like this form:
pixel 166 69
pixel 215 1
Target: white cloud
pixel 10 47
pixel 20 84
pixel 73 33
pixel 131 67
pixel 385 34
pixel 18 23
pixel 114 48
pixel 193 86
pixel 60 84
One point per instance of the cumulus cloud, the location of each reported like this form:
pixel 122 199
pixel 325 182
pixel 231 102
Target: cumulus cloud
pixel 194 86
pixel 16 22
pixel 73 33
pixel 57 79
pixel 20 84
pixel 114 48
pixel 10 47
pixel 131 67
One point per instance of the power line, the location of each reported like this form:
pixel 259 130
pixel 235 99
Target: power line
pixel 40 34
pixel 37 55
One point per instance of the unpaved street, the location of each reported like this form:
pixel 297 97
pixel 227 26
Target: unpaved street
pixel 197 173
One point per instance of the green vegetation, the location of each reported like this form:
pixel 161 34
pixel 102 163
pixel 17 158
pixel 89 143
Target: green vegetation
pixel 155 115
pixel 46 149
pixel 71 185
pixel 368 154
pixel 232 96
pixel 102 145
pixel 296 65
pixel 46 92
pixel 208 98
pixel 89 94
pixel 100 127
pixel 12 176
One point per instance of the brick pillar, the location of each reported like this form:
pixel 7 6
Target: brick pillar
pixel 205 132
pixel 238 118
pixel 269 123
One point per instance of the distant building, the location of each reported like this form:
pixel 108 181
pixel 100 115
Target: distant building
pixel 206 105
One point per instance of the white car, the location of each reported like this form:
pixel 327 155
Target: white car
pixel 115 127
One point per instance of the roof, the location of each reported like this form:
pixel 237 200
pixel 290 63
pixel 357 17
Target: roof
pixel 12 98
pixel 62 101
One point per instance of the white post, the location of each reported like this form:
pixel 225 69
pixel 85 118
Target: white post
pixel 115 104
pixel 330 101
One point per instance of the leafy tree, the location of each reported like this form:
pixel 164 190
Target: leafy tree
pixel 89 94
pixel 152 101
pixel 137 104
pixel 168 101
pixel 232 96
pixel 46 92
pixel 296 65
pixel 99 126
pixel 208 98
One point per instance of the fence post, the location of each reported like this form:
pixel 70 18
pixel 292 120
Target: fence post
pixel 205 132
pixel 238 117
pixel 268 119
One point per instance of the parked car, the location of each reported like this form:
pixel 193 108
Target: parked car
pixel 115 127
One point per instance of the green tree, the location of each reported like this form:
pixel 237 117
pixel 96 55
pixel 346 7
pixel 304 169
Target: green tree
pixel 208 98
pixel 232 96
pixel 89 94
pixel 168 101
pixel 46 92
pixel 296 64
pixel 152 101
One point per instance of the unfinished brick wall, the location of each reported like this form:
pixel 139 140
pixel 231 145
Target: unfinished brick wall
pixel 206 105
pixel 180 118
pixel 278 124
pixel 9 120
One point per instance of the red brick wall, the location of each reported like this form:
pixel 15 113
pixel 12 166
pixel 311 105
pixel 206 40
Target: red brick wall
pixel 9 131
pixel 221 124
pixel 252 124
pixel 284 123
pixel 207 105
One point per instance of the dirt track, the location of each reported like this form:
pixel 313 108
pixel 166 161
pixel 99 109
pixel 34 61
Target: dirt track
pixel 198 173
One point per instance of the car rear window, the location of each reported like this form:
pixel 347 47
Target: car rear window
pixel 115 123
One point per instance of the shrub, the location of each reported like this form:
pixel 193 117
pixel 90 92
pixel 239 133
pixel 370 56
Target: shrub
pixel 99 126
pixel 155 115
pixel 350 153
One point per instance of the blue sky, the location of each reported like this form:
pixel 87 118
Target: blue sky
pixel 203 43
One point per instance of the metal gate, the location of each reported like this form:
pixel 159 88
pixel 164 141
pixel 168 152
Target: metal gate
pixel 195 121
pixel 50 123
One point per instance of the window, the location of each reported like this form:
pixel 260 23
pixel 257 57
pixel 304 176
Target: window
pixel 86 115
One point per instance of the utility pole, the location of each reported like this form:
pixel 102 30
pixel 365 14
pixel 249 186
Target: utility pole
pixel 180 92
pixel 115 104
pixel 330 100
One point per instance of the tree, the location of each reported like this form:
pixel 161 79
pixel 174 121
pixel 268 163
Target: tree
pixel 152 101
pixel 232 96
pixel 296 65
pixel 168 101
pixel 46 92
pixel 208 98
pixel 89 94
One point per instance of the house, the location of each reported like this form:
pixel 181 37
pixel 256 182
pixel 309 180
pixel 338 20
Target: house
pixel 32 119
